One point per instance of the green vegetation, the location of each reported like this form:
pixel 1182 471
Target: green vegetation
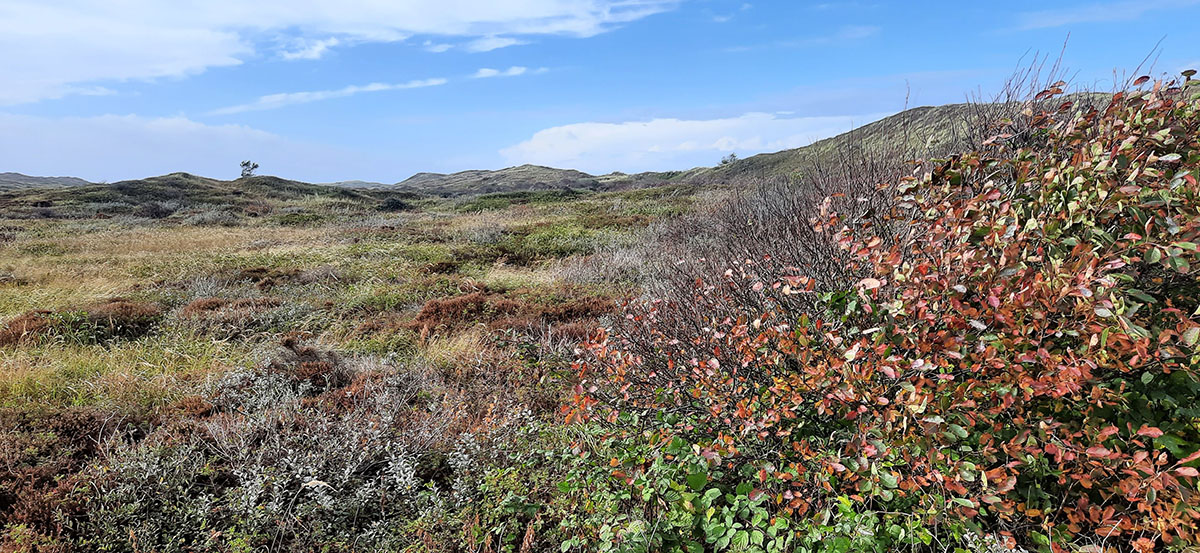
pixel 995 348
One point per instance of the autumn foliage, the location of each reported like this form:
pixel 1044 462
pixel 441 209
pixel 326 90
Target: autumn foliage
pixel 1015 357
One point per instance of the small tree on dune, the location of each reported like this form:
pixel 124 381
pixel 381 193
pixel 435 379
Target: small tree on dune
pixel 248 168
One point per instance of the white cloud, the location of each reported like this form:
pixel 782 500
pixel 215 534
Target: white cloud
pixel 311 50
pixel 436 47
pixel 513 71
pixel 117 147
pixel 489 43
pixel 49 46
pixel 1096 13
pixel 661 144
pixel 275 101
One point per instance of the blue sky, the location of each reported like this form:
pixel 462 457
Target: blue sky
pixel 324 90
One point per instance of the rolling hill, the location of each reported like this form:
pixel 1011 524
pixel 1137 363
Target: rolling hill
pixel 159 196
pixel 12 181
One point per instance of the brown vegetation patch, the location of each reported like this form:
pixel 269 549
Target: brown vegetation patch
pixel 127 316
pixel 26 328
pixel 324 370
pixel 41 454
pixel 510 310
pixel 194 407
pixel 344 398
pixel 117 317
pixel 266 278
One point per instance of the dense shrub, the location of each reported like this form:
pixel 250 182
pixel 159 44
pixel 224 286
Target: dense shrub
pixel 1013 355
pixel 42 453
pixel 308 451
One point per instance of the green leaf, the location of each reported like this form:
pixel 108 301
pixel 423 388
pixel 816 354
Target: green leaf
pixel 1191 336
pixel 1154 255
pixel 697 480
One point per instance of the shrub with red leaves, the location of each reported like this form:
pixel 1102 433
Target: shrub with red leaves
pixel 1018 356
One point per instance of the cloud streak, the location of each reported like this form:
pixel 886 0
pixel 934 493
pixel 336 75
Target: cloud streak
pixel 276 101
pixel 311 50
pixel 514 71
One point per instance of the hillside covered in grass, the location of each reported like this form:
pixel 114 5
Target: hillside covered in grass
pixel 10 181
pixel 989 344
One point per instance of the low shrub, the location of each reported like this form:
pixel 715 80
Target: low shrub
pixel 1013 361
pixel 234 318
pixel 212 217
pixel 43 453
pixel 298 219
pixel 309 451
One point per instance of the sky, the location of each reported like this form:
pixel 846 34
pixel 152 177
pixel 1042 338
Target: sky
pixel 377 90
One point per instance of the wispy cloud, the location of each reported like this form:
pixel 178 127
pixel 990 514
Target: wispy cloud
pixel 311 50
pixel 489 43
pixel 516 70
pixel 848 33
pixel 275 101
pixel 1096 13
pixel 436 47
pixel 727 17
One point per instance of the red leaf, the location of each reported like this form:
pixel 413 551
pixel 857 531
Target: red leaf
pixel 1187 471
pixel 1098 451
pixel 1150 432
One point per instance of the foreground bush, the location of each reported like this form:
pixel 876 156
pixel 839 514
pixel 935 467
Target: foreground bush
pixel 1014 363
pixel 310 450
